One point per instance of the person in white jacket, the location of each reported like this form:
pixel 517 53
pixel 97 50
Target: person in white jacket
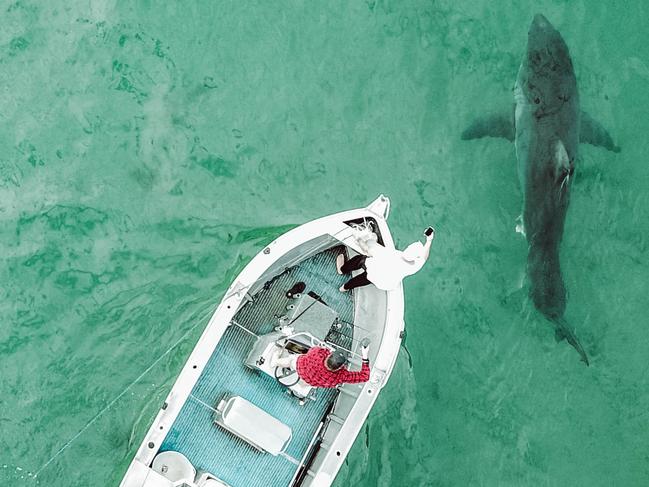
pixel 383 267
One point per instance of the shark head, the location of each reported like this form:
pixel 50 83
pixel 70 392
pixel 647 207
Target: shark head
pixel 550 75
pixel 547 124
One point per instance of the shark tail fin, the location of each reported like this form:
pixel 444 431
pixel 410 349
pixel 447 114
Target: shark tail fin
pixel 563 332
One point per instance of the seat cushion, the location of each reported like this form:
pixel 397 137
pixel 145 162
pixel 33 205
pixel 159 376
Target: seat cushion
pixel 253 424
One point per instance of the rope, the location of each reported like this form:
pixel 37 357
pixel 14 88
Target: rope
pixel 202 403
pixel 239 325
pixel 111 403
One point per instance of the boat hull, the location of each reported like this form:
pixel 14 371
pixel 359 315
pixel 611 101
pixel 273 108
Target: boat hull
pixel 378 313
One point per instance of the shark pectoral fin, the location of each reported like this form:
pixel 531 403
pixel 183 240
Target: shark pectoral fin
pixel 592 132
pixel 497 125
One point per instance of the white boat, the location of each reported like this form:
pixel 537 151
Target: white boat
pixel 231 419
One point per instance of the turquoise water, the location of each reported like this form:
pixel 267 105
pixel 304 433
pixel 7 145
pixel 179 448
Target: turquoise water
pixel 150 149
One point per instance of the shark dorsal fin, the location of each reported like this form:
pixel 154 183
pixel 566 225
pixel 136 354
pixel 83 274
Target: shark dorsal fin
pixel 562 166
pixel 561 156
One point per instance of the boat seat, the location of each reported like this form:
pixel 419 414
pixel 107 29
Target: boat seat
pixel 252 424
pixel 267 345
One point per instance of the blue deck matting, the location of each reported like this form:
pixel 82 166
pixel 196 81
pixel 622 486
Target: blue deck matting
pixel 212 449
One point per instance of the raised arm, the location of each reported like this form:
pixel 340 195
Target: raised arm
pixel 362 375
pixel 429 242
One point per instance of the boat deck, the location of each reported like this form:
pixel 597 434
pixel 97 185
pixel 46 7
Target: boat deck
pixel 212 449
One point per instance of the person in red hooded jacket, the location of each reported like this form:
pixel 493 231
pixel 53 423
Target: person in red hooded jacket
pixel 320 367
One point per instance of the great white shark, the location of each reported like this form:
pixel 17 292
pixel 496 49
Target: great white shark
pixel 546 126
